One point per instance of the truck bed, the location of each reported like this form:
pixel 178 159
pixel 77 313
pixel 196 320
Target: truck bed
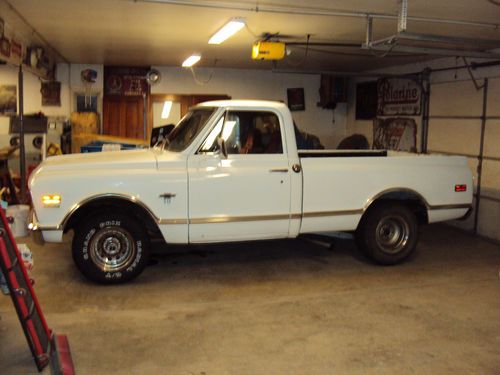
pixel 339 185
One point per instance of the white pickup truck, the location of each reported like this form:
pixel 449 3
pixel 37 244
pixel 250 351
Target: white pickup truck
pixel 232 171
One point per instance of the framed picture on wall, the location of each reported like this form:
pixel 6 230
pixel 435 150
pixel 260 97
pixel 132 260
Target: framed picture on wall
pixel 8 99
pixel 296 101
pixel 51 93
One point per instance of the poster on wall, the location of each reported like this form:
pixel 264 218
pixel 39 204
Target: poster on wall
pixel 399 96
pixel 8 99
pixel 51 93
pixel 126 81
pixel 296 101
pixel 395 133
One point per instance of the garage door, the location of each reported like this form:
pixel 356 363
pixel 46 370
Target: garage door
pixel 464 120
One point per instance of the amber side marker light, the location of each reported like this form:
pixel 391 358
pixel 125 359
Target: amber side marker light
pixel 52 200
pixel 459 188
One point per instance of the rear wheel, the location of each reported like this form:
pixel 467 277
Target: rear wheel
pixel 388 233
pixel 110 248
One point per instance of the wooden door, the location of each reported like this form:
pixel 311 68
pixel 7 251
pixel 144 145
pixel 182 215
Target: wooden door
pixel 123 116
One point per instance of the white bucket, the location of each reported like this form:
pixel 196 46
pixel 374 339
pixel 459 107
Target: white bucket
pixel 18 222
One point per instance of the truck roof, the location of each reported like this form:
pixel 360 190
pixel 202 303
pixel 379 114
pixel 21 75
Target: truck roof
pixel 243 103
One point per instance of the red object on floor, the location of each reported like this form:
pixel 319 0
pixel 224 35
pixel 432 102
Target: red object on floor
pixel 60 359
pixel 40 338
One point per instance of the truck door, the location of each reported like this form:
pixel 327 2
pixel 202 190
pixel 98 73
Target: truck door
pixel 246 194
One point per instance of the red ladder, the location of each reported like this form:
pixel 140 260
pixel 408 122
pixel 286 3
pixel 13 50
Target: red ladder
pixel 45 345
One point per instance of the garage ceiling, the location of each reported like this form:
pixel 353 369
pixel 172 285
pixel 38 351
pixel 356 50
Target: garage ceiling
pixel 158 32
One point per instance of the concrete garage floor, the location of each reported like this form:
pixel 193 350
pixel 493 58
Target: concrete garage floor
pixel 282 307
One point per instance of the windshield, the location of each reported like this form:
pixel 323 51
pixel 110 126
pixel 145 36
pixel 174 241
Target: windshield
pixel 187 129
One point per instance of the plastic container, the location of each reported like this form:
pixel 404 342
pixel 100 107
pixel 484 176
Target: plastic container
pixel 97 146
pixel 27 257
pixel 17 215
pixel 111 147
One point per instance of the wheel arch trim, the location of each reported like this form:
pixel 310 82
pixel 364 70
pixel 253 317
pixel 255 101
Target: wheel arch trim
pixel 126 197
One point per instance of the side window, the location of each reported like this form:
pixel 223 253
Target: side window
pixel 251 132
pixel 246 132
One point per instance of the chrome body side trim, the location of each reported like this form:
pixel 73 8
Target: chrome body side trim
pixel 332 213
pixel 235 219
pixel 173 221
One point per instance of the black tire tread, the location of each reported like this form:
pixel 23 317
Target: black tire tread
pixel 87 268
pixel 365 233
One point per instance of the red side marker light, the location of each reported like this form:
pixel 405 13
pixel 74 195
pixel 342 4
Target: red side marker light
pixel 459 188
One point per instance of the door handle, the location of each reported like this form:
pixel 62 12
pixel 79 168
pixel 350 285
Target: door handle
pixel 167 197
pixel 279 170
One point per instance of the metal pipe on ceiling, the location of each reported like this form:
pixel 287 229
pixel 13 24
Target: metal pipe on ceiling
pixel 344 74
pixel 431 51
pixel 325 44
pixel 309 11
pixel 473 65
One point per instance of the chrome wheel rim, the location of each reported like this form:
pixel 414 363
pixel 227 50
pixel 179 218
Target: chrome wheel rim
pixel 392 234
pixel 112 249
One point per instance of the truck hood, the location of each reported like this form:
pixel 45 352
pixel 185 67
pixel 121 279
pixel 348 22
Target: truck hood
pixel 129 159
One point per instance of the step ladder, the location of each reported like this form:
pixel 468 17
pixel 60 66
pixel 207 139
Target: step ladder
pixel 46 346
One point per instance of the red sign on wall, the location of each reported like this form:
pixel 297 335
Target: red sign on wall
pixel 126 81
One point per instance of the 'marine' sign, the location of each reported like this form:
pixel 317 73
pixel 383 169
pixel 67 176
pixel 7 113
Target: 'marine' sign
pixel 399 96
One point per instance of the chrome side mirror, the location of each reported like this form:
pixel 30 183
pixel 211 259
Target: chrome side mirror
pixel 221 145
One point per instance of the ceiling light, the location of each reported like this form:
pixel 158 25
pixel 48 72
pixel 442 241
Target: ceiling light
pixel 191 60
pixel 228 30
pixel 167 106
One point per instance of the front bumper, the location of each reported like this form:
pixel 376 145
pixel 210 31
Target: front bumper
pixel 36 233
pixel 41 233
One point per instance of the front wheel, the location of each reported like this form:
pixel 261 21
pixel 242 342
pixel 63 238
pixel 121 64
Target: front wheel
pixel 388 233
pixel 110 248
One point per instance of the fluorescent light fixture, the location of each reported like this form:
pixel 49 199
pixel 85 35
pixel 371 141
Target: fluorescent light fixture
pixel 167 106
pixel 191 60
pixel 227 31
